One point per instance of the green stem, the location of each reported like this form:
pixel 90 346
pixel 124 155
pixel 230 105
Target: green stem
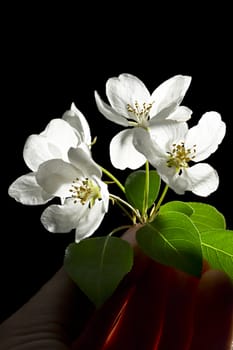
pixel 111 176
pixel 123 227
pixel 146 190
pixel 161 198
pixel 132 218
pixel 120 200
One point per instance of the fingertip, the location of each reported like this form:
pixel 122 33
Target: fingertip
pixel 214 312
pixel 216 283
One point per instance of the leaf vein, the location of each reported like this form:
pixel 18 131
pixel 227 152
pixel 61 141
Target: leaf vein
pixel 217 250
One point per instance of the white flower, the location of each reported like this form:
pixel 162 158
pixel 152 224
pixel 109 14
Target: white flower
pixel 53 142
pixel 81 127
pixel 78 184
pixel 176 147
pixel 131 105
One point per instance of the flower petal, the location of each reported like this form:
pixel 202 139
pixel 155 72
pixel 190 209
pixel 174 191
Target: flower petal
pixel 104 192
pixel 202 178
pixel 176 182
pixel 124 90
pixel 206 135
pixel 53 142
pixel 61 134
pixel 37 150
pixel 166 133
pixel 169 93
pixel 123 154
pixel 63 218
pixel 27 191
pixel 56 177
pixel 180 114
pixel 77 120
pixel 89 222
pixel 144 144
pixel 109 112
pixel 83 161
pixel 162 116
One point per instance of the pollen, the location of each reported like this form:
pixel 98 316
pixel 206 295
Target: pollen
pixel 180 156
pixel 85 190
pixel 141 113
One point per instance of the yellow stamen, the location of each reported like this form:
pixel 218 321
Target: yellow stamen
pixel 85 190
pixel 141 113
pixel 179 157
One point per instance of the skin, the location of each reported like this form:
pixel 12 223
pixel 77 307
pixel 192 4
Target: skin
pixel 154 307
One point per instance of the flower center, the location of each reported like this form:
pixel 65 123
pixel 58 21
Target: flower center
pixel 85 190
pixel 141 113
pixel 179 157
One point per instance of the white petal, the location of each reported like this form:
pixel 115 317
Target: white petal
pixel 144 144
pixel 109 112
pixel 206 135
pixel 177 183
pixel 180 114
pixel 37 150
pixel 77 120
pixel 56 176
pixel 53 142
pixel 169 93
pixel 124 90
pixel 166 133
pixel 63 218
pixel 123 154
pixel 61 134
pixel 163 115
pixel 203 179
pixel 104 192
pixel 90 222
pixel 158 159
pixel 83 161
pixel 26 190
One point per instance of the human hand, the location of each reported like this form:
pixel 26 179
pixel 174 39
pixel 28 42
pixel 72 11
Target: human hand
pixel 166 310
pixel 50 320
pixel 155 307
pixel 160 308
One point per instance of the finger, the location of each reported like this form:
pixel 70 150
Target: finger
pixel 141 324
pixel 132 318
pixel 214 312
pixel 104 321
pixel 178 320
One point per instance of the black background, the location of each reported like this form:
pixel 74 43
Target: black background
pixel 53 57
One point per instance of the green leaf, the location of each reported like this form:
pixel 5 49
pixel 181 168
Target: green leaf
pixel 135 185
pixel 179 206
pixel 217 247
pixel 172 239
pixel 206 217
pixel 97 265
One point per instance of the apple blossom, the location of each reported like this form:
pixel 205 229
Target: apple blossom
pixel 131 105
pixel 176 147
pixel 54 142
pixel 84 196
pixel 81 127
